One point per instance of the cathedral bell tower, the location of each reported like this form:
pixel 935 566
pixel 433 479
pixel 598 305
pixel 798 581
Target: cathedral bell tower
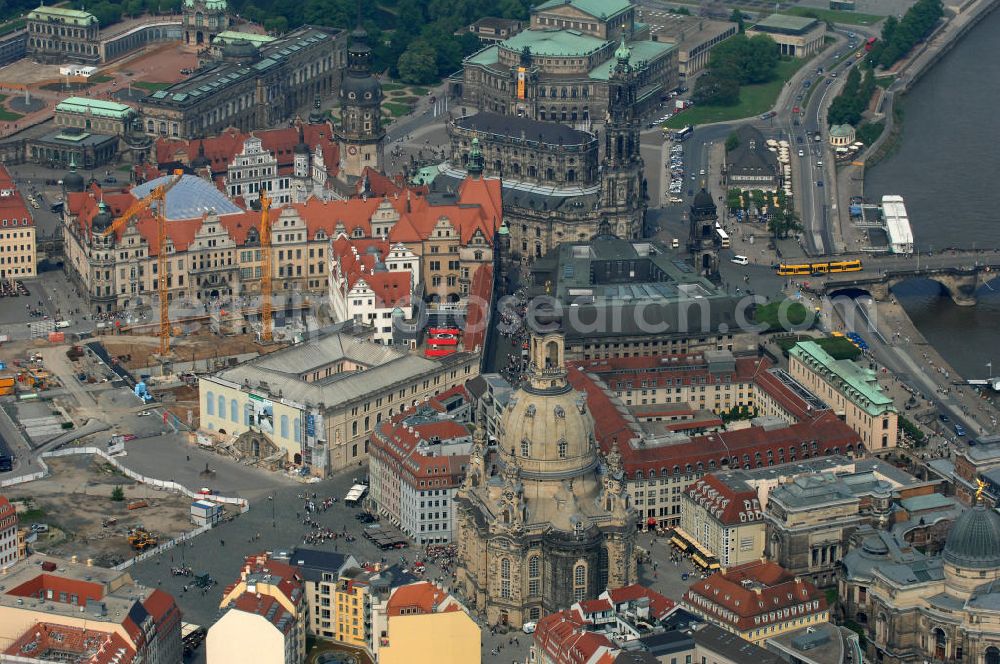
pixel 703 242
pixel 360 133
pixel 623 189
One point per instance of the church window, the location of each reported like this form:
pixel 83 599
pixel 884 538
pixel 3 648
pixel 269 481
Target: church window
pixel 563 448
pixel 524 447
pixel 505 578
pixel 992 655
pixel 534 574
pixel 579 582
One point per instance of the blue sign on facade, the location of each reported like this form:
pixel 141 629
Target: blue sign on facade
pixel 310 425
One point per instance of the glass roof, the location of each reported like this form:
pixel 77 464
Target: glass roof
pixel 190 198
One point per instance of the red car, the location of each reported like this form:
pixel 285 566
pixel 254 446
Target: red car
pixel 795 109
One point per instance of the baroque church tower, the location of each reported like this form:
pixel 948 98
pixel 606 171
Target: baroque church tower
pixel 540 526
pixel 360 133
pixel 703 242
pixel 623 188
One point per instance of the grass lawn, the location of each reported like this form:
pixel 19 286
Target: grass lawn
pixel 9 116
pixel 150 86
pixel 767 314
pixel 840 348
pixel 16 24
pixel 754 100
pixel 389 87
pixel 103 78
pixel 885 81
pixel 396 110
pixel 419 91
pixel 835 16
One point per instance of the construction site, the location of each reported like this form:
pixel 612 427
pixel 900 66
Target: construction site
pixel 72 512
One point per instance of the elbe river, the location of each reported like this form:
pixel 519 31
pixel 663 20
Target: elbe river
pixel 947 169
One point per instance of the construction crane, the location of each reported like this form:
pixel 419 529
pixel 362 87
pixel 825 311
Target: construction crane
pixel 265 272
pixel 158 196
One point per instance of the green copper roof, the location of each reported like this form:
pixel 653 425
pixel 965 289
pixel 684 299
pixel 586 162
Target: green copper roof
pixel 598 8
pixel 554 43
pixel 96 107
pixel 232 35
pixel 639 51
pixel 487 56
pixel 71 16
pixel 858 384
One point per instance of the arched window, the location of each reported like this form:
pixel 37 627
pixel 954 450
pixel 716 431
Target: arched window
pixel 297 430
pixel 222 406
pixel 354 428
pixel 563 449
pixel 524 447
pixel 284 426
pixel 992 655
pixel 234 411
pixel 580 582
pixel 210 402
pixel 247 414
pixel 505 578
pixel 535 575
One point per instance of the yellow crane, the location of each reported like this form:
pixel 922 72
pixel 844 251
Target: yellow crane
pixel 265 271
pixel 158 196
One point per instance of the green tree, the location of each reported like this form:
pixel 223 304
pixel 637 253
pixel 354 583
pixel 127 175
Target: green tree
pixel 683 11
pixel 118 494
pixel 276 25
pixel 713 89
pixel 737 17
pixel 418 64
pixel 732 142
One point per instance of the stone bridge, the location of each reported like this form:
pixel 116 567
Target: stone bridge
pixel 961 274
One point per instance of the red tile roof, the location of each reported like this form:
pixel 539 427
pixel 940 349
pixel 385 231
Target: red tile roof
pixel 83 590
pixel 565 639
pixel 13 209
pixel 49 641
pixel 759 589
pixel 821 435
pixel 477 317
pixel 659 605
pixel 728 505
pixel 267 607
pixel 421 598
pixel 220 150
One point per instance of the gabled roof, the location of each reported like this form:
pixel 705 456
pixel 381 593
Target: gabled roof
pixel 596 8
pixel 761 589
pixel 420 598
pixel 728 504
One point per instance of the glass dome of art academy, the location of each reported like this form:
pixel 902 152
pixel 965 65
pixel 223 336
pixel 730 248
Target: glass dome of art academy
pixel 190 198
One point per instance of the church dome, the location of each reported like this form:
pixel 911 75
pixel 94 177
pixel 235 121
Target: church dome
pixel 73 181
pixel 547 425
pixel 973 539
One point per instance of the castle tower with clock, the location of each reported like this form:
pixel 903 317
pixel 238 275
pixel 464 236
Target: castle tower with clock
pixel 360 132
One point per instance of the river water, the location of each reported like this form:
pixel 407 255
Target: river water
pixel 946 170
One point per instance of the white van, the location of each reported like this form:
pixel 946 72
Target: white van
pixel 529 627
pixel 740 260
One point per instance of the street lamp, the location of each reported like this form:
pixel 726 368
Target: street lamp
pixel 271 499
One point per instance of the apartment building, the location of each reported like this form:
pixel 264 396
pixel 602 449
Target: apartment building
pixel 53 609
pixel 426 625
pixel 9 553
pixel 265 616
pixel 18 259
pixel 417 463
pixel 724 517
pixel 851 390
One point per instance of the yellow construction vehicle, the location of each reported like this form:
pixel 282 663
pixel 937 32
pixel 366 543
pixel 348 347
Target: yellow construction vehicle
pixel 141 539
pixel 265 272
pixel 159 197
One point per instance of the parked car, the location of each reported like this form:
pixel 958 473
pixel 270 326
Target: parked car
pixel 740 260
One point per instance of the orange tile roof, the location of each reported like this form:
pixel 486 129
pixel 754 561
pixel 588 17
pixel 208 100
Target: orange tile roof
pixel 659 605
pixel 50 641
pixel 725 503
pixel 12 205
pixel 760 589
pixel 268 607
pixel 422 597
pixel 565 639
